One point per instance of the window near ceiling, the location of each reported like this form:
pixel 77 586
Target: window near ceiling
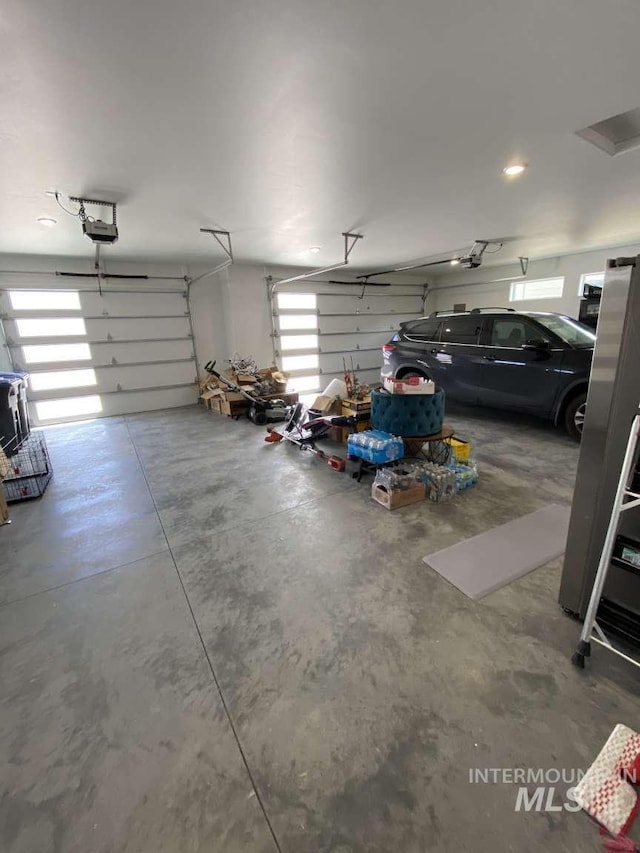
pixel 50 410
pixel 543 288
pixel 51 328
pixel 46 353
pixel 590 279
pixel 54 379
pixel 45 300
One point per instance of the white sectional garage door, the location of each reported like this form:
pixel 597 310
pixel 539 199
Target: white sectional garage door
pixel 318 330
pixel 92 355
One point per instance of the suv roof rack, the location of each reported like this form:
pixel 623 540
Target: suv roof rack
pixel 491 308
pixel 451 313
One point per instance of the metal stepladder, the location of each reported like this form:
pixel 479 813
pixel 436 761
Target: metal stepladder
pixel 625 499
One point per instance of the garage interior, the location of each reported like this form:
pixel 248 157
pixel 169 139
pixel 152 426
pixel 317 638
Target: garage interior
pixel 213 642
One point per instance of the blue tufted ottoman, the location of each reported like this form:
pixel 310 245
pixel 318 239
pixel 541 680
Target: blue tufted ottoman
pixel 407 415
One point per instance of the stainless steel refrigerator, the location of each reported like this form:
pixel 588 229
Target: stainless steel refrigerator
pixel 612 401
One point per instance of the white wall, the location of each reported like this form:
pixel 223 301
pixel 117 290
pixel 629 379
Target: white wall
pixel 208 319
pixel 478 289
pixel 247 312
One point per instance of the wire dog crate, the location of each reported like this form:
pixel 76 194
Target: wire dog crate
pixel 28 469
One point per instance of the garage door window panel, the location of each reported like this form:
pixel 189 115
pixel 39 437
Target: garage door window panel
pixel 288 322
pixel 48 353
pixel 45 300
pixel 59 379
pixel 142 342
pixel 59 327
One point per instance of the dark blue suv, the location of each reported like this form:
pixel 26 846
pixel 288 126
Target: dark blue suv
pixel 526 361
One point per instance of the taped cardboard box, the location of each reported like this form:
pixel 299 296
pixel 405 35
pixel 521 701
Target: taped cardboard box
pixel 211 399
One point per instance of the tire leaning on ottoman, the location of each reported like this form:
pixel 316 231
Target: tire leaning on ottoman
pixel 407 415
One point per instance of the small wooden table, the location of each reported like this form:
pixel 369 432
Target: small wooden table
pixel 439 446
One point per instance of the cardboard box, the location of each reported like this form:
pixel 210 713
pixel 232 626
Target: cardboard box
pixel 414 385
pixel 461 450
pixel 398 498
pixel 4 465
pixel 234 408
pixel 4 509
pixel 340 434
pixel 327 405
pixel 212 403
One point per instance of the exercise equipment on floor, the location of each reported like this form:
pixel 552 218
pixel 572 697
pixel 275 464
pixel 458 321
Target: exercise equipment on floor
pixel 304 427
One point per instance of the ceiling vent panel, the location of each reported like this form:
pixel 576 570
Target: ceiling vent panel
pixel 615 135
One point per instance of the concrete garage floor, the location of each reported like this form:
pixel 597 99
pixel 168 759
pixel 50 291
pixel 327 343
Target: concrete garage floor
pixel 211 644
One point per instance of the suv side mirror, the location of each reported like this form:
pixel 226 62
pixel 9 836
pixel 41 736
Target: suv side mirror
pixel 537 345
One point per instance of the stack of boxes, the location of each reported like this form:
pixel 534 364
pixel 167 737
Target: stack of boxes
pixel 360 409
pixel 216 396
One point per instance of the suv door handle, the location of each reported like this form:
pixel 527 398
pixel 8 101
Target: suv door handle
pixel 489 357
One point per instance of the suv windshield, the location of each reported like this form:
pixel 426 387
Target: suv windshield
pixel 570 331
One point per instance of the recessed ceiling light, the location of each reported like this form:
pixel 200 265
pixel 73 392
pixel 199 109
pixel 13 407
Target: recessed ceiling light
pixel 314 250
pixel 455 261
pixel 47 221
pixel 515 169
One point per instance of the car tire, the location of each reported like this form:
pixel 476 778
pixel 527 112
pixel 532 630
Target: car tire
pixel 574 416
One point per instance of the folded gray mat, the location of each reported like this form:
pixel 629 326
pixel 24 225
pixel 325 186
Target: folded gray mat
pixel 484 563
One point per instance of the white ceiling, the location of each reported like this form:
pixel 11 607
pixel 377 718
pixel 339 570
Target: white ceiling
pixel 289 121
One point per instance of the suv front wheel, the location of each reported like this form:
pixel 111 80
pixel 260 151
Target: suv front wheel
pixel 574 416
